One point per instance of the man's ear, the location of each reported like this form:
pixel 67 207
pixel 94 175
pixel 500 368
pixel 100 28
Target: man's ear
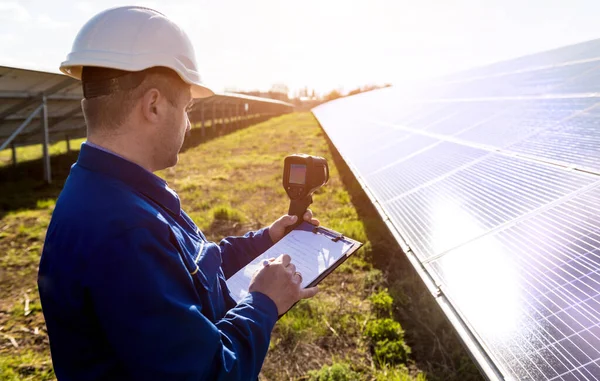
pixel 150 105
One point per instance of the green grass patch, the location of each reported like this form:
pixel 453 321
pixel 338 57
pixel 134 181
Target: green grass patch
pixel 335 372
pixel 28 365
pixel 299 324
pixel 381 304
pixel 387 340
pixel 35 151
pixel 397 373
pixel 227 213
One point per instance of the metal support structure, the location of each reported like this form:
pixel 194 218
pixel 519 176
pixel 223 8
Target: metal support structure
pixel 14 154
pixel 202 131
pixel 52 122
pixel 46 145
pixel 28 95
pixel 68 143
pixel 230 115
pixel 21 127
pixel 214 113
pixel 28 102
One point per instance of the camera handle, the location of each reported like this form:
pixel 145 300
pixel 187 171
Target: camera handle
pixel 298 208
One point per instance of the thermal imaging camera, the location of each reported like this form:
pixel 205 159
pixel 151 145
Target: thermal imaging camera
pixel 302 176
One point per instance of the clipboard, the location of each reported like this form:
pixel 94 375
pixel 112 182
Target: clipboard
pixel 316 252
pixel 335 237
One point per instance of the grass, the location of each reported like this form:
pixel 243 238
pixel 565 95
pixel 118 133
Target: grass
pixel 366 319
pixel 33 152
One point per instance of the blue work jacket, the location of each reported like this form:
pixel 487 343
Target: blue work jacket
pixel 132 290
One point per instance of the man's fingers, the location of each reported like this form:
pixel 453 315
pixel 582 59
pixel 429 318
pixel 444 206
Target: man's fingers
pixel 291 268
pixel 297 278
pixel 285 259
pixel 308 217
pixel 288 220
pixel 306 293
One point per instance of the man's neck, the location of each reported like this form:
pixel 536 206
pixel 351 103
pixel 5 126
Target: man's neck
pixel 128 148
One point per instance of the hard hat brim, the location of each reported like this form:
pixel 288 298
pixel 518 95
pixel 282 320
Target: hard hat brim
pixel 76 61
pixel 201 91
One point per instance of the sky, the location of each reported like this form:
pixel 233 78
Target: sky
pixel 319 44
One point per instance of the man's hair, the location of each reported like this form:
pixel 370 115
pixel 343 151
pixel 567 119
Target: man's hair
pixel 110 95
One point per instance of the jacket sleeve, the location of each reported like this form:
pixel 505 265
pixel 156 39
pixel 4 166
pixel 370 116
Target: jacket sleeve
pixel 237 252
pixel 148 309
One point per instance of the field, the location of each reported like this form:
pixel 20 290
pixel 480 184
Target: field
pixel 372 319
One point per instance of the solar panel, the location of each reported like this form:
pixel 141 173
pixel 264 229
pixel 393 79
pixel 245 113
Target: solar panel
pixel 467 116
pixel 490 180
pixel 22 91
pixel 574 142
pixel 541 308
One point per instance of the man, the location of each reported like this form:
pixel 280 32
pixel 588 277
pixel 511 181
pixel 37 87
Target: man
pixel 130 288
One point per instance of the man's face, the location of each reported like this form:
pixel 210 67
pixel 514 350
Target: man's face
pixel 175 127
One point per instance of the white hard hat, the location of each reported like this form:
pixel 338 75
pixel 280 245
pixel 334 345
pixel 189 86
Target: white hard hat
pixel 133 39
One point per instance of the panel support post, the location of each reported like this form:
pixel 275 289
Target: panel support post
pixel 202 132
pixel 230 116
pixel 46 144
pixel 68 143
pixel 14 154
pixel 214 113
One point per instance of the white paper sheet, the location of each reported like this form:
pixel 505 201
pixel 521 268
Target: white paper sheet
pixel 311 253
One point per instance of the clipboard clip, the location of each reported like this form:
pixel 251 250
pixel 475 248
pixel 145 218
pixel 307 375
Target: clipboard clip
pixel 335 238
pixel 341 236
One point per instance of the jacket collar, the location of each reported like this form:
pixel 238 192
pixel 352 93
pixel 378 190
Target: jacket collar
pixel 137 177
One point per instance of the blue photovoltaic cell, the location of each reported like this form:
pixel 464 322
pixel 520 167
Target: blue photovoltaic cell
pixel 433 113
pixel 539 304
pixel 407 113
pixel 547 80
pixel 530 82
pixel 383 157
pixel 584 51
pixel 468 115
pixel 372 133
pixel 575 142
pixel 587 82
pixel 478 198
pixel 523 121
pixel 492 178
pixel 344 137
pixel 420 169
pixel 365 147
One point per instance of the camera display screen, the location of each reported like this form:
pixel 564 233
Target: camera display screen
pixel 297 174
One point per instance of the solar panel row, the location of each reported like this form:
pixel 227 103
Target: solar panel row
pixel 21 94
pixel 492 179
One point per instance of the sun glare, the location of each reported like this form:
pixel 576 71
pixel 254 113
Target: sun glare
pixel 480 274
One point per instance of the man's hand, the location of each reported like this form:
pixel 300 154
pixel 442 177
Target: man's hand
pixel 279 281
pixel 277 228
